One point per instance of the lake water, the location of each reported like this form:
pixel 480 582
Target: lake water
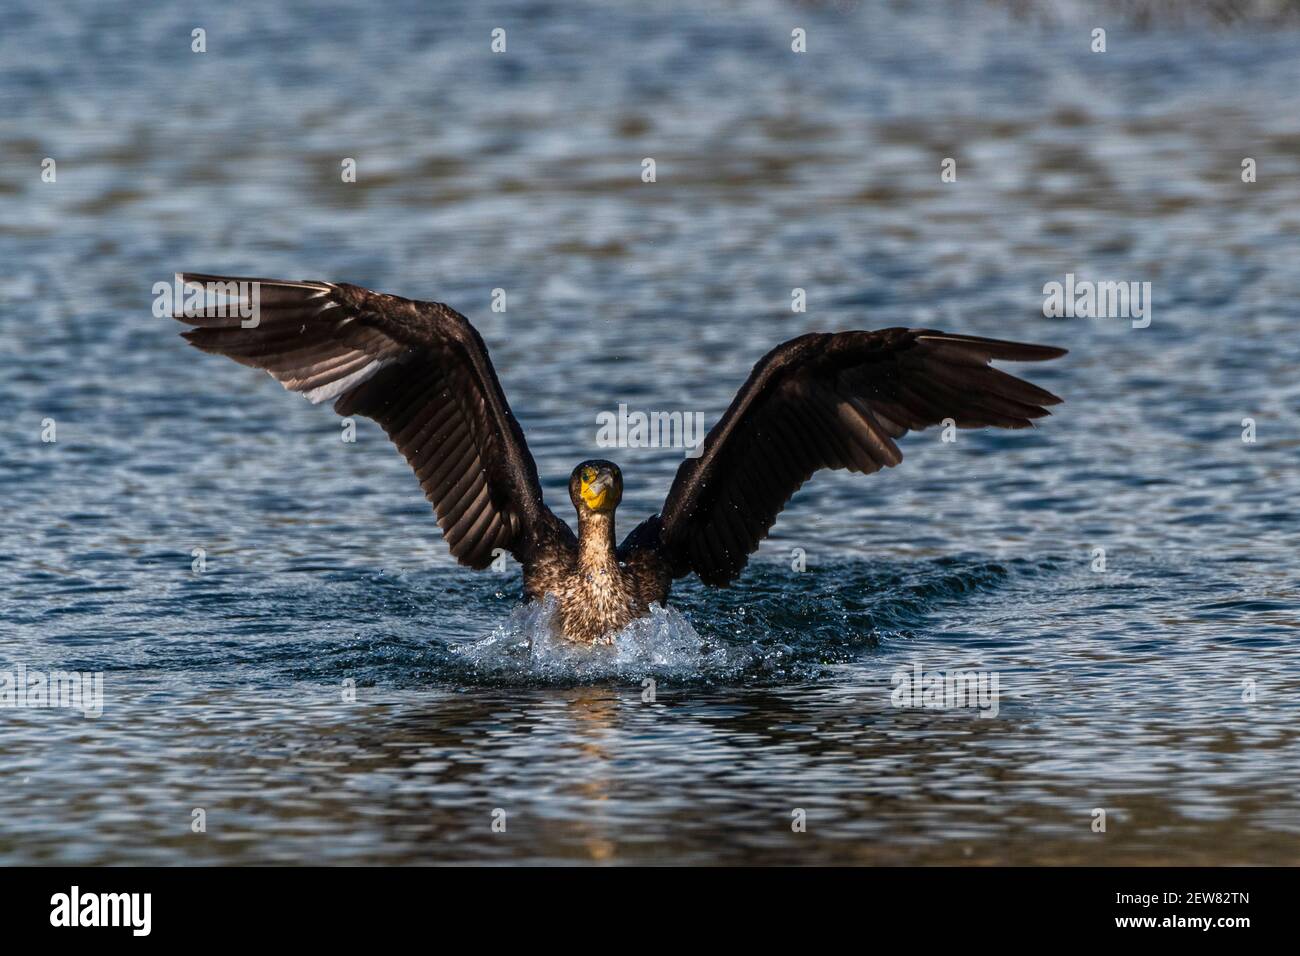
pixel 1164 690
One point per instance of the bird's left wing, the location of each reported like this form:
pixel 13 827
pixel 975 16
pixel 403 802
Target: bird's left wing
pixel 827 400
pixel 419 369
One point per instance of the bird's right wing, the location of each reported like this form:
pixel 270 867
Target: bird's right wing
pixel 827 400
pixel 419 369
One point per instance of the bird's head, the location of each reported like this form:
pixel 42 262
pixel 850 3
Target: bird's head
pixel 596 486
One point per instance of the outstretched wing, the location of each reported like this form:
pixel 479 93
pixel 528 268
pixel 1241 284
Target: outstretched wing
pixel 419 369
pixel 828 400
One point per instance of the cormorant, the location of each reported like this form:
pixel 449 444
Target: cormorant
pixel 421 370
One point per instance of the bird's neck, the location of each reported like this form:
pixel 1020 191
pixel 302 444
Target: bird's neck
pixel 596 540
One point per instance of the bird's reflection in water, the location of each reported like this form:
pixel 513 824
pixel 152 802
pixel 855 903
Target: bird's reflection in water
pixel 592 715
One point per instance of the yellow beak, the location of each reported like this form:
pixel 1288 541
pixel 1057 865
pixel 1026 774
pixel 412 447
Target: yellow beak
pixel 595 492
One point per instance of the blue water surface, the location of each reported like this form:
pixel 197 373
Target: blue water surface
pixel 331 687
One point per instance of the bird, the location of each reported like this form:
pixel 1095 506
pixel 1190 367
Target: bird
pixel 823 400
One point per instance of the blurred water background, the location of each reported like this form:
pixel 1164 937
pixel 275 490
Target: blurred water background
pixel 1163 689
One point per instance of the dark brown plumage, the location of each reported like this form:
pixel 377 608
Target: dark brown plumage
pixel 823 400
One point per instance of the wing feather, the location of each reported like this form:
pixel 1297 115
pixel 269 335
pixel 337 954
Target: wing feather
pixel 419 369
pixel 828 401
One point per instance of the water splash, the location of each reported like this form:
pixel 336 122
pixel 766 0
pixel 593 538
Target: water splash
pixel 529 646
pixel 775 630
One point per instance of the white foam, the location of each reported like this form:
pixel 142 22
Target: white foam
pixel 529 646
